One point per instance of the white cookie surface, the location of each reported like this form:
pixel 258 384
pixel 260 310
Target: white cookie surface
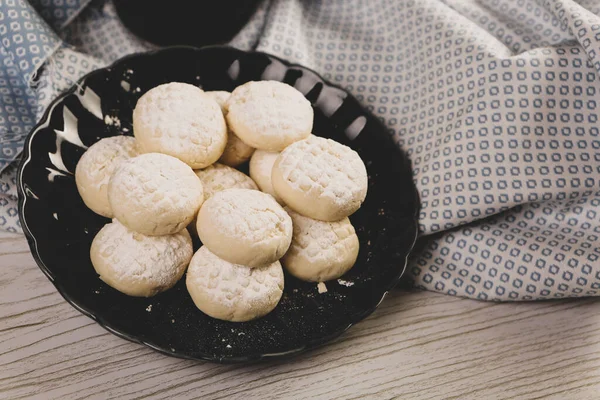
pixel 236 152
pixel 320 178
pixel 261 166
pixel 320 251
pixel 155 194
pixel 244 227
pixel 221 97
pixel 232 292
pixel 139 265
pixel 219 177
pixel 95 168
pixel 180 120
pixel 269 115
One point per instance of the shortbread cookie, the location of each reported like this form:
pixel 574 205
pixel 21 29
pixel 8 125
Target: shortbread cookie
pixel 269 115
pixel 320 251
pixel 180 120
pixel 244 227
pixel 155 194
pixel 221 97
pixel 140 265
pixel 219 177
pixel 261 165
pixel 320 178
pixel 95 168
pixel 233 292
pixel 236 152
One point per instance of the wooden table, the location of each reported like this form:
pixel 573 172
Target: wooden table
pixel 417 345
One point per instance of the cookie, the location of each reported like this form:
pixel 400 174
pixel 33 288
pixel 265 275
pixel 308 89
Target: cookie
pixel 95 168
pixel 139 265
pixel 180 120
pixel 232 292
pixel 236 152
pixel 261 165
pixel 219 177
pixel 220 96
pixel 320 251
pixel 320 178
pixel 155 194
pixel 269 115
pixel 244 227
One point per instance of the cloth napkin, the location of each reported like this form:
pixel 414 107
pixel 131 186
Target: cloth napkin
pixel 495 102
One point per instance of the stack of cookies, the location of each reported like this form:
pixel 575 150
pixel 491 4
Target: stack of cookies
pixel 177 175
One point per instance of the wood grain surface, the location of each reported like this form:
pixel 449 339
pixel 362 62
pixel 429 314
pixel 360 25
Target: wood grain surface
pixel 417 345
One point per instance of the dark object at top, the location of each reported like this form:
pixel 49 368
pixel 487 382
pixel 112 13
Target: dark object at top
pixel 185 22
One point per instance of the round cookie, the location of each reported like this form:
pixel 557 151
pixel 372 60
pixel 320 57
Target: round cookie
pixel 219 177
pixel 220 96
pixel 155 194
pixel 320 251
pixel 95 168
pixel 140 265
pixel 320 178
pixel 261 165
pixel 233 292
pixel 269 115
pixel 180 120
pixel 236 152
pixel 244 227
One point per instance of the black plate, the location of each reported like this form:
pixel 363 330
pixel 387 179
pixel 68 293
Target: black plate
pixel 60 228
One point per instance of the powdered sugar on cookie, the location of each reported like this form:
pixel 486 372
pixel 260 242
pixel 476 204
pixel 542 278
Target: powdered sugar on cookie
pixel 155 194
pixel 97 165
pixel 137 264
pixel 180 120
pixel 320 178
pixel 269 115
pixel 219 177
pixel 236 151
pixel 261 166
pixel 233 292
pixel 320 251
pixel 244 227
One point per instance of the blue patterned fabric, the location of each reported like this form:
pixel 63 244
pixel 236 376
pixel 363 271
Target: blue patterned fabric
pixel 58 13
pixel 26 43
pixel 495 101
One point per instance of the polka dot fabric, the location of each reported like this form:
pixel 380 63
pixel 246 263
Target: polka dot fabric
pixel 58 13
pixel 495 102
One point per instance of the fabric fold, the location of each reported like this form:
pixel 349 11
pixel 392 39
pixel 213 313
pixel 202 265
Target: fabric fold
pixel 26 38
pixel 27 41
pixel 59 14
